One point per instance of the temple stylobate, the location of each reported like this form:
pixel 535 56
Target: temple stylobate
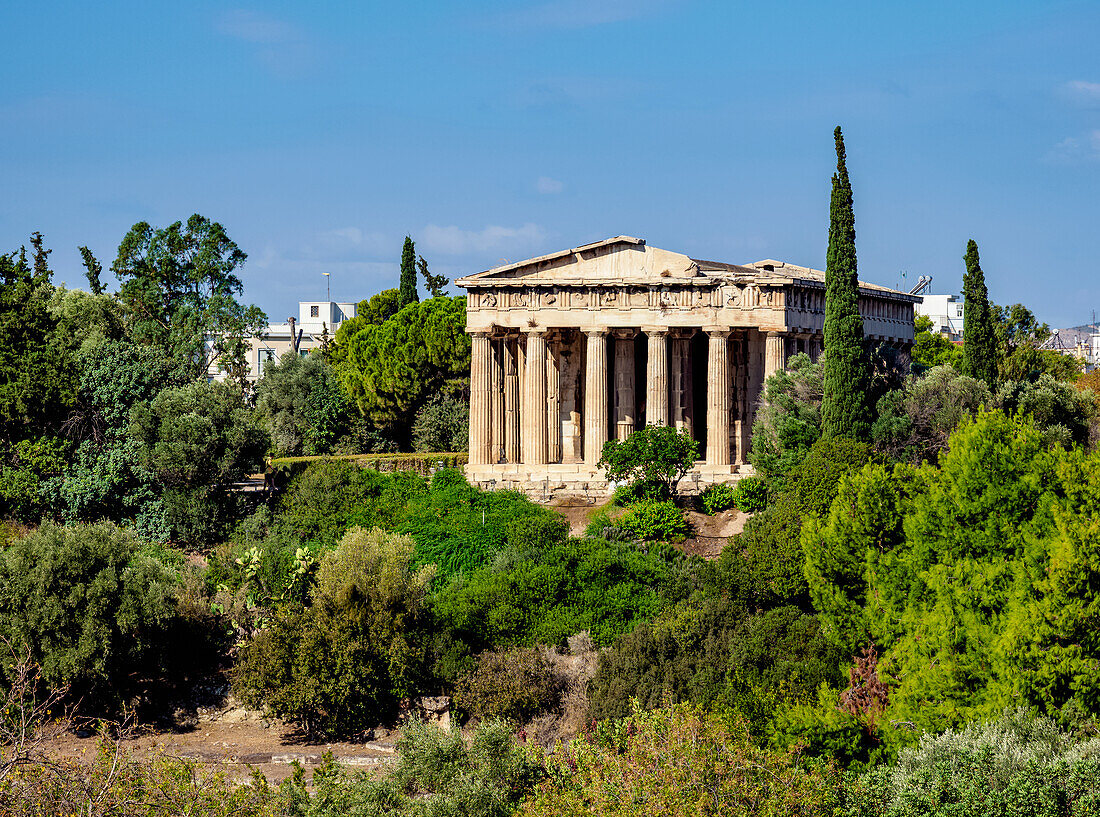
pixel 576 347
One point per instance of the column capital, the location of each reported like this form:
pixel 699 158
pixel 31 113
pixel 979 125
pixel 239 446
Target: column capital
pixel 624 332
pixel 595 333
pixel 535 331
pixel 717 331
pixel 653 331
pixel 479 333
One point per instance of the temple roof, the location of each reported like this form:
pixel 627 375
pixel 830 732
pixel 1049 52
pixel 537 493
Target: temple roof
pixel 624 259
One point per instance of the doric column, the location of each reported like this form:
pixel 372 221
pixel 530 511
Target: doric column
pixel 680 377
pixel 718 397
pixel 595 396
pixel 534 400
pixel 480 432
pixel 656 392
pixel 775 353
pixel 553 401
pixel 496 400
pixel 572 432
pixel 511 401
pixel 625 411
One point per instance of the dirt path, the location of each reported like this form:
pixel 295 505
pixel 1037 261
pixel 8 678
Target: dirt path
pixel 237 742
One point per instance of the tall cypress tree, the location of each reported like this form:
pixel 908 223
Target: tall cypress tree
pixel 407 293
pixel 844 411
pixel 979 342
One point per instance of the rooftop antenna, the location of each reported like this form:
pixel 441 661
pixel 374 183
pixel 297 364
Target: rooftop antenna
pixel 328 285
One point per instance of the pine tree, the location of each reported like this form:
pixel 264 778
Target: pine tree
pixel 844 411
pixel 979 342
pixel 408 274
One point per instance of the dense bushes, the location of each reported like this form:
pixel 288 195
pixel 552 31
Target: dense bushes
pixel 88 605
pixel 653 521
pixel 342 663
pixel 971 577
pixel 674 761
pixel 511 684
pixel 1014 766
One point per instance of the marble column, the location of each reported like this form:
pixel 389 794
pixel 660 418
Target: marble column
pixel 656 393
pixel 718 398
pixel 480 431
pixel 775 353
pixel 553 401
pixel 534 401
pixel 595 397
pixel 511 401
pixel 572 432
pixel 496 400
pixel 680 380
pixel 625 410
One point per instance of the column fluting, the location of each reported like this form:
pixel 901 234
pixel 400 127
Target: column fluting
pixel 480 433
pixel 595 396
pixel 656 400
pixel 718 398
pixel 534 401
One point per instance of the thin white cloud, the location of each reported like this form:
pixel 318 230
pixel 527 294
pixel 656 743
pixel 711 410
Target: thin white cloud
pixel 1086 91
pixel 254 27
pixel 1073 149
pixel 452 240
pixel 580 13
pixel 547 186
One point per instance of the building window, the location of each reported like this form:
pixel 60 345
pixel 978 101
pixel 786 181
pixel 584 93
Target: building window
pixel 263 357
pixel 315 311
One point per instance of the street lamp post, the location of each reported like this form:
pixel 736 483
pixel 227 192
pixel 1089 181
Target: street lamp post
pixel 328 285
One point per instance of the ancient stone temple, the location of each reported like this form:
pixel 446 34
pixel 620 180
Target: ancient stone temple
pixel 573 348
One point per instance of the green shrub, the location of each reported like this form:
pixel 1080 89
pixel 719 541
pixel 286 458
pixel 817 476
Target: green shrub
pixel 656 456
pixel 514 684
pixel 676 761
pixel 751 494
pixel 442 424
pixel 544 596
pixel 88 606
pixel 718 498
pixel 367 612
pixel 438 775
pixel 1013 766
pixel 655 521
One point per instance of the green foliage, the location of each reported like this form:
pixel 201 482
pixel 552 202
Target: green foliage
pixel 846 382
pixel 514 685
pixel 544 595
pixel 439 775
pixel 718 498
pixel 342 663
pixel 408 291
pixel 655 521
pixel 88 606
pixel 915 422
pixel 931 349
pixel 433 283
pixel 179 287
pixel 655 455
pixel 788 420
pixel 442 424
pixel 1064 414
pixel 196 440
pixel 952 572
pixel 37 383
pixel 751 494
pixel 330 496
pixel 716 652
pixel 390 370
pixel 1012 766
pixel 676 762
pixel 303 405
pixel 770 541
pixel 979 345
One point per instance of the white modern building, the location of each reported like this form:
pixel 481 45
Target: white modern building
pixel 946 313
pixel 316 321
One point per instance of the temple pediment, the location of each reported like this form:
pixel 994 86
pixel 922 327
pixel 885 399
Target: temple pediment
pixel 611 262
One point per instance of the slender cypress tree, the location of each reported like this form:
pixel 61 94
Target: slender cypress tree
pixel 407 293
pixel 844 411
pixel 979 342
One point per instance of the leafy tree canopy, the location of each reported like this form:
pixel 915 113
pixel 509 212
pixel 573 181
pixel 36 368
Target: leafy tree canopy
pixel 180 288
pixel 655 455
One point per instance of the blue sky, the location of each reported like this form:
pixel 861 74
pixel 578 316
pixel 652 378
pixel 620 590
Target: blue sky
pixel 321 133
